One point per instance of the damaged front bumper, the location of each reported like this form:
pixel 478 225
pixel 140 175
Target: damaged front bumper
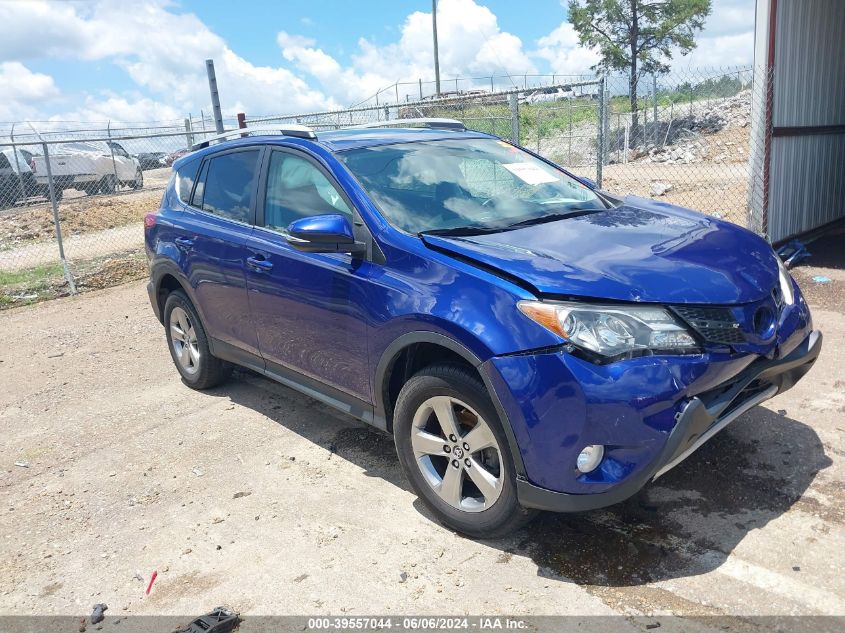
pixel 696 421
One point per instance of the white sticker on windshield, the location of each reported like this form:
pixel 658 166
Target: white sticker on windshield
pixel 530 173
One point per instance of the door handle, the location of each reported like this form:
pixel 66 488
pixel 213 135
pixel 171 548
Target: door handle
pixel 260 265
pixel 184 242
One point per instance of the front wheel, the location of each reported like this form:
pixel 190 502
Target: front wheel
pixel 108 184
pixel 188 344
pixel 455 454
pixel 138 183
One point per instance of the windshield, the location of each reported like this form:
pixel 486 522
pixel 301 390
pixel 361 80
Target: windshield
pixel 452 185
pixel 81 146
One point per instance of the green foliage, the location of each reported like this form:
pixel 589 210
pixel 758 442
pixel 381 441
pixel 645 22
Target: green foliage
pixel 28 276
pixel 20 287
pixel 638 35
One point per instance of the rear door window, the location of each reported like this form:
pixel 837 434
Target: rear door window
pixel 229 185
pixel 186 175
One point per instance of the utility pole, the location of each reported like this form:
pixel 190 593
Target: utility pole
pixel 215 96
pixel 436 55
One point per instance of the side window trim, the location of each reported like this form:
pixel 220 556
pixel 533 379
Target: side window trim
pixel 202 173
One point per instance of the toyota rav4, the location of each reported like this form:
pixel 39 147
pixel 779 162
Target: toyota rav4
pixel 530 341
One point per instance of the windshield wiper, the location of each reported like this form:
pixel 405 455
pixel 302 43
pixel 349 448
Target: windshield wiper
pixel 571 212
pixel 457 231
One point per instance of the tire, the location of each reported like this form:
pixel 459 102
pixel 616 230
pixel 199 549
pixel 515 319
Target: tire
pixel 108 184
pixel 138 183
pixel 91 189
pixel 421 442
pixel 189 350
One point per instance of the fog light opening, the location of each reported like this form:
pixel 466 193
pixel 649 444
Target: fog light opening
pixel 590 458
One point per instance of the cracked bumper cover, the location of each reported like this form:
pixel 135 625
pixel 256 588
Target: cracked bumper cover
pixel 699 419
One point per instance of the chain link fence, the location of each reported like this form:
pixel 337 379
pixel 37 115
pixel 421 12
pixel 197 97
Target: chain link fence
pixel 72 201
pixel 72 204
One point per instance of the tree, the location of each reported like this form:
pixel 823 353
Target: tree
pixel 637 36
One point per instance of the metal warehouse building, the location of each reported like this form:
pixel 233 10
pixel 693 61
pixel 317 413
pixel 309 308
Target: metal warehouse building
pixel 798 126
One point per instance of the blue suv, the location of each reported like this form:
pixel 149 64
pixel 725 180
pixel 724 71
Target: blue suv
pixel 530 341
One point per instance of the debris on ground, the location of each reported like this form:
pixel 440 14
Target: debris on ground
pixel 821 279
pixel 98 614
pixel 152 580
pixel 220 620
pixel 792 253
pixel 22 464
pixel 660 188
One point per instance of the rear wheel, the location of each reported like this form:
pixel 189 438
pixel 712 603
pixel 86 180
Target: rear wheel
pixel 139 179
pixel 454 452
pixel 188 344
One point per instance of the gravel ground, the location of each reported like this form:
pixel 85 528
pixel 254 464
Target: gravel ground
pixel 256 497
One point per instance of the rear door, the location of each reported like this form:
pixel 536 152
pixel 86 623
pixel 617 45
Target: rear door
pixel 309 308
pixel 211 234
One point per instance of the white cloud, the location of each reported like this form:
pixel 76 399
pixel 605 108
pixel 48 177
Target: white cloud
pixel 163 49
pixel 163 52
pixel 564 54
pixel 23 89
pixel 19 83
pixel 726 40
pixel 471 45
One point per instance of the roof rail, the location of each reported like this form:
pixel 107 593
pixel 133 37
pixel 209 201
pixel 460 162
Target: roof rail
pixel 291 129
pixel 434 123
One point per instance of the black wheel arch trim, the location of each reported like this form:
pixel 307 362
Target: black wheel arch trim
pixel 159 268
pixel 391 353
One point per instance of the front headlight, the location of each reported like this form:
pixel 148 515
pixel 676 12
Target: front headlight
pixel 785 282
pixel 611 330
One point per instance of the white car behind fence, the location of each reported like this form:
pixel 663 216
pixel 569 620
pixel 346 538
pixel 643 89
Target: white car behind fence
pixel 89 166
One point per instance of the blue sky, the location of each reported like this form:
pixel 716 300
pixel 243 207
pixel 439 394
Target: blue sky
pixel 377 20
pixel 98 60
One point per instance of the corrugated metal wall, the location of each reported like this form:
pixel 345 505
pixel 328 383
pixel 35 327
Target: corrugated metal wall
pixel 807 172
pixel 807 183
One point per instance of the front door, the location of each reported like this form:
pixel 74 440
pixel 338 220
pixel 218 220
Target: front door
pixel 308 308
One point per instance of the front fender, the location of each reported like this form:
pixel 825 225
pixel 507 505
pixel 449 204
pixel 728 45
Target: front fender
pixel 391 353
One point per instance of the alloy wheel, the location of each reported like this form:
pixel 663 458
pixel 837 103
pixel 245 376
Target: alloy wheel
pixel 457 454
pixel 183 337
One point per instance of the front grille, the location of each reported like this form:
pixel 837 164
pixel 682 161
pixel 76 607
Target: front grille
pixel 714 324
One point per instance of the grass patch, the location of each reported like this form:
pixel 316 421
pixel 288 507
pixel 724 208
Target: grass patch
pixel 23 287
pixel 30 276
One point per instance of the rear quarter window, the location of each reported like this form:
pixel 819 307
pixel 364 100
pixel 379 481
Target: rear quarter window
pixel 185 176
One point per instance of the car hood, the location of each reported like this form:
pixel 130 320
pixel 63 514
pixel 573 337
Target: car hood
pixel 641 251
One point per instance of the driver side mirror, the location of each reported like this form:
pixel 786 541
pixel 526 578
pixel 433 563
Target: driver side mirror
pixel 331 233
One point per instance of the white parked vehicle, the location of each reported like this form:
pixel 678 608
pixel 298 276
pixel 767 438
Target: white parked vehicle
pixel 90 166
pixel 548 95
pixel 545 95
